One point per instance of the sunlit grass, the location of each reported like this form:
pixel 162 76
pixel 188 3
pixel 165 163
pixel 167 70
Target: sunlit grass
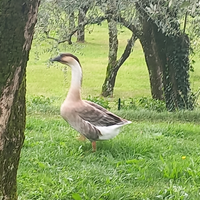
pixel 146 161
pixel 132 79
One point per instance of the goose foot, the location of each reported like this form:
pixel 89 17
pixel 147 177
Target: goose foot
pixel 94 148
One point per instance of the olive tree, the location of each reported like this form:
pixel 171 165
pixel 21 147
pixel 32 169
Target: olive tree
pixel 170 47
pixel 166 47
pixel 83 13
pixel 114 63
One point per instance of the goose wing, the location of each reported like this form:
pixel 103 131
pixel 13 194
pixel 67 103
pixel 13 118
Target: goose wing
pixel 98 116
pixel 92 120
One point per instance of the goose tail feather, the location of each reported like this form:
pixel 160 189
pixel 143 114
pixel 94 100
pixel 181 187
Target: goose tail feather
pixel 109 132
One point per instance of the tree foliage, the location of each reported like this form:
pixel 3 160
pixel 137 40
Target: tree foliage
pixel 164 50
pixel 55 19
pixel 173 49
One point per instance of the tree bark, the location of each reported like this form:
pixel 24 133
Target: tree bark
pixel 81 17
pixel 17 19
pixel 107 88
pixel 147 35
pixel 153 61
pixel 111 73
pixel 71 26
pixel 167 58
pixel 113 63
pixel 174 50
pixel 71 21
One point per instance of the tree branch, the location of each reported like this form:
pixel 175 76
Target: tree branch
pixel 49 37
pixel 131 27
pixel 185 22
pixel 69 36
pixel 127 52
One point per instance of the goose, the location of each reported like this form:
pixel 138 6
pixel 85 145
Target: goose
pixel 91 120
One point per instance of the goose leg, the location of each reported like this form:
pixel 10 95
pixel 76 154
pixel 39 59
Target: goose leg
pixel 94 148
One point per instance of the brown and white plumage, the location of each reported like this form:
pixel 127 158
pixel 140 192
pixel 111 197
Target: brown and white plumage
pixel 91 120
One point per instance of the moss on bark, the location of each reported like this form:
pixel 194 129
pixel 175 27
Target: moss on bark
pixel 17 19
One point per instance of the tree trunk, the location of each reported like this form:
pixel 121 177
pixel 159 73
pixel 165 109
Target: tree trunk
pixel 107 88
pixel 113 63
pixel 169 53
pixel 109 82
pixel 17 19
pixel 147 37
pixel 81 17
pixel 167 58
pixel 153 61
pixel 174 50
pixel 71 21
pixel 71 26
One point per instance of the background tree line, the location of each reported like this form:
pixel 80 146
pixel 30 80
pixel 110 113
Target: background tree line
pixel 160 26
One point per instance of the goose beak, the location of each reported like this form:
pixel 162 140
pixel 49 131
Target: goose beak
pixel 58 59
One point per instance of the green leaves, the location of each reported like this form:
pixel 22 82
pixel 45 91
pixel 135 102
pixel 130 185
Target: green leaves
pixel 99 100
pixel 152 8
pixel 185 4
pixel 177 88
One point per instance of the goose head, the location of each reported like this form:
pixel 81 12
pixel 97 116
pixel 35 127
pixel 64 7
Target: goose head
pixel 68 59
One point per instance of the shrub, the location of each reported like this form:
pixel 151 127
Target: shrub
pixel 41 104
pixel 143 103
pixel 100 101
pixel 152 104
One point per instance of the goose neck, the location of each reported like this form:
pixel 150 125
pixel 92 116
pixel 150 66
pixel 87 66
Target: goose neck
pixel 76 82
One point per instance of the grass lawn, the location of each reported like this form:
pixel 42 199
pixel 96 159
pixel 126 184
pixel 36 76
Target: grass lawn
pixel 132 79
pixel 155 157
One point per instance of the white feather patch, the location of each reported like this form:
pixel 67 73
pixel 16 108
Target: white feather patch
pixel 109 132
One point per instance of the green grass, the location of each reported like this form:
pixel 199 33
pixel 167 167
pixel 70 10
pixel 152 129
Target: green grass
pixel 156 157
pixel 148 160
pixel 132 79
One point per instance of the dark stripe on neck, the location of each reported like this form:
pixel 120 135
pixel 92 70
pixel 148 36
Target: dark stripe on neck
pixel 71 55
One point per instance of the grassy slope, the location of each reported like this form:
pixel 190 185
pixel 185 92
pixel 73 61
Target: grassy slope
pixel 132 79
pixel 145 161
